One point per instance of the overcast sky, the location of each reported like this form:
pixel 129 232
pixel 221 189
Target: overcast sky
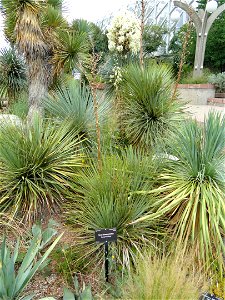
pixel 91 10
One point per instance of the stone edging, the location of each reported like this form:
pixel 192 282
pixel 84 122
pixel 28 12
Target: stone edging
pixel 196 86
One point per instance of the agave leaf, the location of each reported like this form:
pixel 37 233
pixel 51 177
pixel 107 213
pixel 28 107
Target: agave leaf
pixel 30 255
pixel 86 293
pixel 29 297
pixel 76 284
pixel 36 230
pixel 37 264
pixel 47 298
pixel 68 295
pixel 47 236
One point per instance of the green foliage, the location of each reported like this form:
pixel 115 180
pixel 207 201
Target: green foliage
pixel 20 107
pixel 153 38
pixel 148 111
pixel 83 293
pixel 176 45
pixel 214 54
pixel 55 3
pixel 81 26
pixel 192 194
pixel 74 103
pixel 38 163
pixel 13 278
pixel 215 46
pixel 51 21
pixel 107 199
pixel 219 81
pixel 12 74
pixel 71 51
pixel 65 257
pixel 164 278
pixel 99 39
pixel 204 78
pixel 218 288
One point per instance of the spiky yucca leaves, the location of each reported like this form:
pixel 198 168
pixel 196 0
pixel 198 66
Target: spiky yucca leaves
pixel 74 103
pixel 23 26
pixel 12 74
pixel 148 112
pixel 38 164
pixel 193 188
pixel 106 200
pixel 81 26
pixel 20 106
pixel 71 51
pixel 51 21
pixel 56 4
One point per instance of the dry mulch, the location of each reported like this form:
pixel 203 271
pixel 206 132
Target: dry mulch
pixel 46 286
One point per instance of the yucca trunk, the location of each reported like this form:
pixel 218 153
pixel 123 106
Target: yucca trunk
pixel 38 86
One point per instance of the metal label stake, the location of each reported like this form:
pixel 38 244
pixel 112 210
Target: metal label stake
pixel 105 236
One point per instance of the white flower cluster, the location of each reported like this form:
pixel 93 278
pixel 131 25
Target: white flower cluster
pixel 116 77
pixel 124 33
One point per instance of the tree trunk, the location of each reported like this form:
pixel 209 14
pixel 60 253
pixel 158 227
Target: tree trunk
pixel 38 87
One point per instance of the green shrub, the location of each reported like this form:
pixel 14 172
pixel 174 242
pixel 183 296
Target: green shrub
pixel 107 199
pixel 38 163
pixel 204 78
pixel 12 74
pixel 219 81
pixel 148 111
pixel 164 278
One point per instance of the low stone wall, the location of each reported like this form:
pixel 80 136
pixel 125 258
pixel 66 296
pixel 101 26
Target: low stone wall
pixel 197 94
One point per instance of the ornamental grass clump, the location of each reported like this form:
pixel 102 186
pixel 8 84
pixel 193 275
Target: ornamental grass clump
pixel 164 278
pixel 148 111
pixel 38 164
pixel 106 200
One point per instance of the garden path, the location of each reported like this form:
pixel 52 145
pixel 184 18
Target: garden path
pixel 199 112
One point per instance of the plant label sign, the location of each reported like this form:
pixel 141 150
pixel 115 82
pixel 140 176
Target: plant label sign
pixel 208 296
pixel 106 235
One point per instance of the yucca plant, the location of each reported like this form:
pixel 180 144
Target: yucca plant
pixel 38 164
pixel 164 278
pixel 12 74
pixel 71 51
pixel 20 106
pixel 192 194
pixel 14 277
pixel 23 29
pixel 106 200
pixel 74 103
pixel 148 113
